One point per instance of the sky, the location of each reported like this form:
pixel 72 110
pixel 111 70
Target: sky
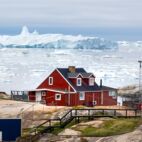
pixel 111 19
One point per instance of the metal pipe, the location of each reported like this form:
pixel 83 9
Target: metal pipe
pixel 140 89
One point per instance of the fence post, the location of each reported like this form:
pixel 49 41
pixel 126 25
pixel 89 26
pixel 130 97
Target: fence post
pixel 103 112
pixel 114 112
pixel 126 113
pixel 135 112
pixel 78 120
pixel 76 115
pixel 89 114
pixel 71 113
pixel 60 122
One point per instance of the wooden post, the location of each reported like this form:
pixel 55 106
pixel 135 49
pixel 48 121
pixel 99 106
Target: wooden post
pixel 76 112
pixel 103 111
pixel 49 122
pixel 114 112
pixel 11 95
pixel 76 115
pixel 78 120
pixel 135 112
pixel 71 113
pixel 60 122
pixel 126 113
pixel 89 117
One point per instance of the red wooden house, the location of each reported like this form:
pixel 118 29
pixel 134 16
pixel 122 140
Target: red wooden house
pixel 71 87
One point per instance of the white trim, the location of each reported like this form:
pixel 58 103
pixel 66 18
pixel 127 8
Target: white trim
pixel 82 76
pixel 94 103
pixel 102 97
pixel 91 74
pixel 52 90
pixel 91 81
pixel 69 97
pixel 64 92
pixel 77 84
pixel 58 99
pixel 66 80
pixel 96 91
pixel 50 80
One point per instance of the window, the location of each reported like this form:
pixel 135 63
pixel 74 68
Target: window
pixel 94 103
pixel 81 96
pixel 91 81
pixel 112 93
pixel 43 93
pixel 58 97
pixel 50 80
pixel 79 81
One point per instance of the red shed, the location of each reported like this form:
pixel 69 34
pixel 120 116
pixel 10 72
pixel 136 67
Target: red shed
pixel 71 87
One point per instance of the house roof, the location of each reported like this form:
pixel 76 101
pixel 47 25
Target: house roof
pixel 84 86
pixel 83 74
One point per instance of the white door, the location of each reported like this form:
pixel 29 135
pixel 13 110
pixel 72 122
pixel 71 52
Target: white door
pixel 0 136
pixel 38 96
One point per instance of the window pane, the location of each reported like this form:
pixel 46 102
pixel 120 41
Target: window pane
pixel 58 97
pixel 50 81
pixel 82 96
pixel 79 81
pixel 91 81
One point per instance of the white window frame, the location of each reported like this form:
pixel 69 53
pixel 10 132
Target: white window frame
pixel 94 103
pixel 56 98
pixel 91 81
pixel 50 80
pixel 79 84
pixel 81 98
pixel 43 93
pixel 112 93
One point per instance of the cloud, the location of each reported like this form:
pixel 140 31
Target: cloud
pixel 77 13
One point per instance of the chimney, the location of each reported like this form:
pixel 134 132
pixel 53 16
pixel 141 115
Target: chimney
pixel 101 83
pixel 71 69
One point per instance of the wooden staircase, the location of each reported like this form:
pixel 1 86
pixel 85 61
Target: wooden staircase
pixel 49 125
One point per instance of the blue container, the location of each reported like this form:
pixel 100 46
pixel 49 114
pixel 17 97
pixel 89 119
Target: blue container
pixel 10 129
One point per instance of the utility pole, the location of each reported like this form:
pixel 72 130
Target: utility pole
pixel 140 85
pixel 140 75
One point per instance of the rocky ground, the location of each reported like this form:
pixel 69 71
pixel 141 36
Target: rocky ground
pixel 135 136
pixel 32 114
pixel 131 90
pixel 12 109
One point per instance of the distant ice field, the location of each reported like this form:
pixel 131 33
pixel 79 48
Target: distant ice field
pixel 25 68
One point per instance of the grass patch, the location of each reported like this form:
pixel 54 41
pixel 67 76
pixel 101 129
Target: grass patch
pixel 79 107
pixel 58 130
pixel 112 127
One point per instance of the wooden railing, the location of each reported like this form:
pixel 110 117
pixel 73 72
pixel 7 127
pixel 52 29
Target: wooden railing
pixel 49 126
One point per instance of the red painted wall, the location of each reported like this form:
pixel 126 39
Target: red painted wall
pixel 32 96
pixel 86 80
pixel 88 98
pixel 73 80
pixel 108 100
pixel 74 99
pixel 50 99
pixel 58 82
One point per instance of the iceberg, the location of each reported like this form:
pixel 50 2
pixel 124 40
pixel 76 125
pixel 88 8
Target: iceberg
pixel 35 40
